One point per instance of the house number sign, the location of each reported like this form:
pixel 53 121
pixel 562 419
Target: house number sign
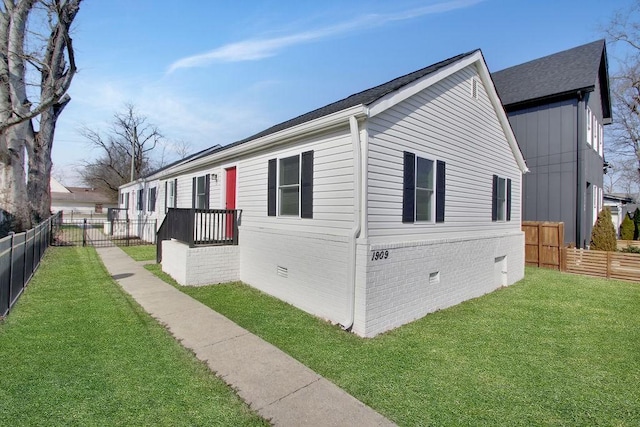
pixel 379 255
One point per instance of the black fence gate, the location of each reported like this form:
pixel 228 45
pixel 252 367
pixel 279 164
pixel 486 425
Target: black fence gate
pixel 116 228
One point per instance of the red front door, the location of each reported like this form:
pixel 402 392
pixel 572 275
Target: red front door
pixel 230 200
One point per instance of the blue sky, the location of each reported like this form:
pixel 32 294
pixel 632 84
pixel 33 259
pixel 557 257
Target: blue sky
pixel 213 72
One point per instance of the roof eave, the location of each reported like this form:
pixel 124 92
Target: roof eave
pixel 286 135
pixel 533 102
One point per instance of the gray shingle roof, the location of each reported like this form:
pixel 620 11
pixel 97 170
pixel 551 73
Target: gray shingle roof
pixel 365 97
pixel 561 73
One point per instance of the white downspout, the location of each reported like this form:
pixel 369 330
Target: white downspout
pixel 355 230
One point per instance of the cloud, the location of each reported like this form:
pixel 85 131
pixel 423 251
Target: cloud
pixel 255 49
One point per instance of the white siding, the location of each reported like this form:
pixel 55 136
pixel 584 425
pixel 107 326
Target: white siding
pixel 443 122
pixel 185 187
pixel 332 186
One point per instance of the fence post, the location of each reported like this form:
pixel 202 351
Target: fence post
pixel 127 235
pixel 191 228
pixel 24 258
pixel 539 225
pixel 84 232
pixel 12 234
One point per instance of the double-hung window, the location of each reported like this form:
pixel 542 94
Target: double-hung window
pixel 423 189
pixel 141 199
pixel 151 204
pixel 201 192
pixel 170 193
pixel 501 199
pixel 290 186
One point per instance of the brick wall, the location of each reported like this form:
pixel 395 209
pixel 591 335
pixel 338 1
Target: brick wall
pixel 417 278
pixel 308 270
pixel 201 265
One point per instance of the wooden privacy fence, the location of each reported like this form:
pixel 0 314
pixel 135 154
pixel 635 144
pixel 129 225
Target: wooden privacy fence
pixel 543 243
pixel 612 265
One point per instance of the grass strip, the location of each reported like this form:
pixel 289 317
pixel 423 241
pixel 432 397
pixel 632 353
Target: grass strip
pixel 554 349
pixel 140 252
pixel 76 350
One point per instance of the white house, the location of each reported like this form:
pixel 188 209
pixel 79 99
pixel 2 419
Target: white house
pixel 78 200
pixel 138 200
pixel 369 212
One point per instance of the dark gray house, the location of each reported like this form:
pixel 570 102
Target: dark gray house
pixel 557 106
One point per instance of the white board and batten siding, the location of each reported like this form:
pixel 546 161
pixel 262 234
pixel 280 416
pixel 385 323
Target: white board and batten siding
pixel 443 122
pixel 301 261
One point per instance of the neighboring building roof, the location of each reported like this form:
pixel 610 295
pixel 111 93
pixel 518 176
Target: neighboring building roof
pixel 560 74
pixel 619 197
pixel 80 195
pixel 190 157
pixel 57 187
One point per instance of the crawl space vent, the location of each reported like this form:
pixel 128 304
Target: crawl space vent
pixel 434 278
pixel 283 271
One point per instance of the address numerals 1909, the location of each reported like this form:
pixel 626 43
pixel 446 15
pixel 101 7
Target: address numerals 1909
pixel 378 255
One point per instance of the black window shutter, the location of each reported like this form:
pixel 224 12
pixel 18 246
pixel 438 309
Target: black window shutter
pixel 207 181
pixel 409 188
pixel 508 200
pixel 175 193
pixel 306 193
pixel 271 188
pixel 193 195
pixel 440 186
pixel 494 199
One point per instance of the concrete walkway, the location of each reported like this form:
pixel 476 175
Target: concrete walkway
pixel 274 384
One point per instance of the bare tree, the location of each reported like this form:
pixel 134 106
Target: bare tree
pixel 37 65
pixel 130 136
pixel 622 177
pixel 182 148
pixel 624 134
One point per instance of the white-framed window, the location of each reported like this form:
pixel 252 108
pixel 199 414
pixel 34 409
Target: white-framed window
pixel 601 139
pixel 501 199
pixel 589 126
pixel 425 179
pixel 596 140
pixel 171 193
pixel 424 189
pixel 595 203
pixel 289 186
pixel 151 199
pixel 201 199
pixel 141 199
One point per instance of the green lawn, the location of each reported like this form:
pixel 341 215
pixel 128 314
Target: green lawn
pixel 76 350
pixel 553 349
pixel 141 252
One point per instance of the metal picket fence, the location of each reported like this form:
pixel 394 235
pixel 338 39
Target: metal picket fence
pixel 20 256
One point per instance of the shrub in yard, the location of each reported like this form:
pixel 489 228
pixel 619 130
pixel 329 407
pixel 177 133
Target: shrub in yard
pixel 631 249
pixel 603 235
pixel 627 228
pixel 636 222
